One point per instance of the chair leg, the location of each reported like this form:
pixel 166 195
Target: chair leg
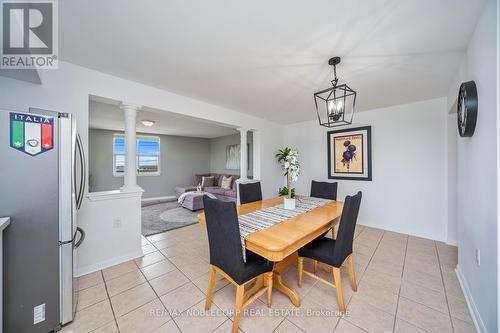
pixel 240 291
pixel 211 284
pixel 269 278
pixel 338 286
pixel 351 272
pixel 300 269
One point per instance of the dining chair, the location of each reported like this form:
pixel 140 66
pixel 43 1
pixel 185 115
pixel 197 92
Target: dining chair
pixel 324 190
pixel 334 252
pixel 250 192
pixel 226 257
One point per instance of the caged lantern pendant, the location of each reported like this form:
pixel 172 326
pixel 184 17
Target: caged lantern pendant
pixel 335 105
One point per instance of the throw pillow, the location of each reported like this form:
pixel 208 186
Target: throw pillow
pixel 226 182
pixel 207 181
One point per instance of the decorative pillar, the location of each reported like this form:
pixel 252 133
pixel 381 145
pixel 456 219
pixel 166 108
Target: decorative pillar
pixel 243 154
pixel 130 174
pixel 256 154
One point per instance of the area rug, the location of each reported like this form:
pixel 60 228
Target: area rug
pixel 166 216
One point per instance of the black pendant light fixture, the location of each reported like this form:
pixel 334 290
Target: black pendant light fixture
pixel 335 105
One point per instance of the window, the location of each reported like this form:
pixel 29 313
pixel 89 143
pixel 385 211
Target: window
pixel 118 155
pixel 148 155
pixel 147 159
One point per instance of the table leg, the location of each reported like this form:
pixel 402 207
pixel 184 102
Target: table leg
pixel 278 282
pixel 281 286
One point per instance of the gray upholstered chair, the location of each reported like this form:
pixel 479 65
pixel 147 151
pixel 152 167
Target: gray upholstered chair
pixel 226 257
pixel 325 190
pixel 334 252
pixel 250 192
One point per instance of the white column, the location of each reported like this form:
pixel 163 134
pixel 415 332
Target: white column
pixel 256 155
pixel 243 154
pixel 130 174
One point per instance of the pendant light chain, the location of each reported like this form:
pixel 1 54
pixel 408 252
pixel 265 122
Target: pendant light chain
pixel 335 80
pixel 335 105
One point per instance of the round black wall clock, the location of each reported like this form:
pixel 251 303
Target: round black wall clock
pixel 467 108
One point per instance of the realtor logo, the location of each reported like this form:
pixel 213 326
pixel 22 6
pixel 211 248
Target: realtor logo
pixel 29 34
pixel 31 134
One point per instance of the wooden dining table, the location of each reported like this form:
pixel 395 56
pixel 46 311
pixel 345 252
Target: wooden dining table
pixel 280 242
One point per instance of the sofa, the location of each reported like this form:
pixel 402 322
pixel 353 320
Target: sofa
pixel 220 193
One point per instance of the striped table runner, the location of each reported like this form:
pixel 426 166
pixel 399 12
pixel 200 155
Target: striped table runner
pixel 264 218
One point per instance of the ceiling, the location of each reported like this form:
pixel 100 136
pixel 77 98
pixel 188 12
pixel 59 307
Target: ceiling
pixel 108 115
pixel 267 58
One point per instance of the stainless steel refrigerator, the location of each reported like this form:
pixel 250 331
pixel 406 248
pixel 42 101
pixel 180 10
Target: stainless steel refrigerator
pixel 42 183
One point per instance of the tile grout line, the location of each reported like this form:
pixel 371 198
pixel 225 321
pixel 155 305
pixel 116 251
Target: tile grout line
pixel 124 290
pixel 89 305
pixel 369 261
pixel 444 288
pixel 290 323
pixel 135 307
pixel 215 329
pixel 431 309
pixel 361 278
pixel 213 304
pixel 187 277
pixel 147 281
pixel 413 325
pixel 109 300
pixel 189 281
pixel 89 286
pixel 157 296
pixel 274 330
pixel 400 285
pixel 350 323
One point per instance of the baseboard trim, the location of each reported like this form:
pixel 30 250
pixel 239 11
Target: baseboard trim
pixel 169 197
pixel 452 242
pixel 476 316
pixel 108 263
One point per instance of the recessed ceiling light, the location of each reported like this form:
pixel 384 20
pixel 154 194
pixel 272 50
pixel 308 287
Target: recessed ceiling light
pixel 148 123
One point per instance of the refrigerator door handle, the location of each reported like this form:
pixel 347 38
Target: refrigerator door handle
pixel 76 186
pixel 81 187
pixel 81 239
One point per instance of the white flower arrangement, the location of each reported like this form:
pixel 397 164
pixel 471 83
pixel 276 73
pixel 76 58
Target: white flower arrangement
pixel 289 160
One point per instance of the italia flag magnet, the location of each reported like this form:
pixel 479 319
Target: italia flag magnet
pixel 31 134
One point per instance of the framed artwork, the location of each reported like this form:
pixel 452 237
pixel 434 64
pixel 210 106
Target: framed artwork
pixel 350 154
pixel 233 157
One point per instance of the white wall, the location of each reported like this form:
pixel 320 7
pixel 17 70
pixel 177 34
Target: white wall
pixel 498 169
pixel 408 191
pixel 451 167
pixel 218 153
pixel 477 176
pixel 67 89
pixel 109 243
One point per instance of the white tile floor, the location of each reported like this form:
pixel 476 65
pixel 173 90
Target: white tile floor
pixel 406 284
